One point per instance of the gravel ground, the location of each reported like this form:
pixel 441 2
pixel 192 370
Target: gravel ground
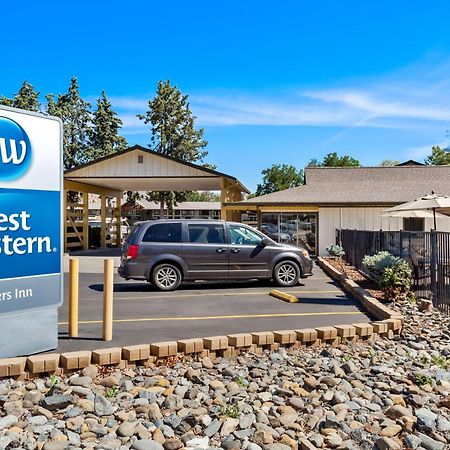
pixel 389 394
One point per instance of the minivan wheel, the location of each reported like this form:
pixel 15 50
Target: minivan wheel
pixel 166 277
pixel 286 273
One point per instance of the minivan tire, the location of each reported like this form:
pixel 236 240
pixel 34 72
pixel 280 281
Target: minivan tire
pixel 166 277
pixel 286 274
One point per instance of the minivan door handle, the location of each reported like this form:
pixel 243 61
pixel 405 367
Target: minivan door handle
pixel 235 250
pixel 221 250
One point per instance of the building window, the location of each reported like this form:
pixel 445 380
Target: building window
pixel 414 224
pixel 291 228
pixel 140 159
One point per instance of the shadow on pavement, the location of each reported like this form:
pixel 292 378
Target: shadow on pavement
pixel 224 285
pixel 108 252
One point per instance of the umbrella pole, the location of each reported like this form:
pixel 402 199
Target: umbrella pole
pixel 434 218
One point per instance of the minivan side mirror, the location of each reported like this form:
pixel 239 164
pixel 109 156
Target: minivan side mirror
pixel 265 242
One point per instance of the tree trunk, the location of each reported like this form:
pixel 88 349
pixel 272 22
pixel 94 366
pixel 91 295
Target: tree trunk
pixel 161 209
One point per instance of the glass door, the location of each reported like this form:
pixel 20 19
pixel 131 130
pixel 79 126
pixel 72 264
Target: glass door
pixel 291 228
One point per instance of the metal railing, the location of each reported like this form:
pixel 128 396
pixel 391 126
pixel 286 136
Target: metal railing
pixel 427 253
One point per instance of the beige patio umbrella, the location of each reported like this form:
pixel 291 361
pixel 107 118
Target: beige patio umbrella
pixel 419 214
pixel 431 202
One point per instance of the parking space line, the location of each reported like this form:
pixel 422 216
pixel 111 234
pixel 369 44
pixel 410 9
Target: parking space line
pixel 240 316
pixel 220 294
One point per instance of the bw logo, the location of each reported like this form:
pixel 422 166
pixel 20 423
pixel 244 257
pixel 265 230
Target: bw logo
pixel 15 150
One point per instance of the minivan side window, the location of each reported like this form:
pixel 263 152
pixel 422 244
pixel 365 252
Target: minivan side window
pixel 163 232
pixel 244 236
pixel 207 233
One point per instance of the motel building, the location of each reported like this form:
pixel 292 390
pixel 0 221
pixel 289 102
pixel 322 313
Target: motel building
pixel 308 215
pixel 348 198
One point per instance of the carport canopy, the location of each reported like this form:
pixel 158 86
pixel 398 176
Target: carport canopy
pixel 138 169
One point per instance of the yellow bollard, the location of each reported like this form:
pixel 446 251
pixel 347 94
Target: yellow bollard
pixel 108 289
pixel 73 296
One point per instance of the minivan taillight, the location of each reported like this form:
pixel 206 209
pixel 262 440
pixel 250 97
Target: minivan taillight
pixel 132 251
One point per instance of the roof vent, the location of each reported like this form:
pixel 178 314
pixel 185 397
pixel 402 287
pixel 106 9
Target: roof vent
pixel 140 159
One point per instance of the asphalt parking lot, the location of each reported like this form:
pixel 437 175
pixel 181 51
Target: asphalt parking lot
pixel 142 314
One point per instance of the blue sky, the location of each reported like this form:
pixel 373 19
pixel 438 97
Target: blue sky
pixel 270 81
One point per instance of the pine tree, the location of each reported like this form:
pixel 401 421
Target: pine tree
pixel 25 98
pixel 105 139
pixel 438 157
pixel 173 134
pixel 76 117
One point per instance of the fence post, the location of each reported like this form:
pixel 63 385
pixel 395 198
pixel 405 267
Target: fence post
pixel 108 289
pixel 73 296
pixel 433 267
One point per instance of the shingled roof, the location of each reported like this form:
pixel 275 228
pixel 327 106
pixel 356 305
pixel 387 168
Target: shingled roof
pixel 362 185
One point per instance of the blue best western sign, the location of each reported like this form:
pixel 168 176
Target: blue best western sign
pixel 30 211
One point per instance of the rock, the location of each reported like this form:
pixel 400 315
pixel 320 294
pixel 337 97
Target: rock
pixel 426 419
pixel 443 424
pixel 55 402
pixel 216 385
pixel 429 443
pixel 333 440
pixel 109 382
pixel 296 402
pixel 276 447
pixel 262 437
pixel 56 445
pixel 386 443
pixel 173 402
pixel 246 420
pixel 154 413
pixel 173 444
pixel 253 446
pixel 74 423
pixel 306 445
pixel 398 411
pixel 102 406
pixel 390 431
pixel 80 381
pixel 412 441
pixel 126 429
pixel 228 426
pixel 207 363
pixel 202 442
pixel 146 444
pixel 213 428
pixel 8 421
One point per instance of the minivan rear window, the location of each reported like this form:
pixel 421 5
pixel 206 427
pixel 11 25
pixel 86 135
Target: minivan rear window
pixel 163 232
pixel 132 233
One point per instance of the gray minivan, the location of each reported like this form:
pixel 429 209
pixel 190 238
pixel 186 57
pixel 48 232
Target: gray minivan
pixel 166 252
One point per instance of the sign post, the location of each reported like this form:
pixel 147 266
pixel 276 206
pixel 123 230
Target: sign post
pixel 31 229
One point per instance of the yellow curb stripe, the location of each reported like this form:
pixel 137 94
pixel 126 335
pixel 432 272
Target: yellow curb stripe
pixel 243 316
pixel 220 294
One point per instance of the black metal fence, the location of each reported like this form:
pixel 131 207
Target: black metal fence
pixel 428 254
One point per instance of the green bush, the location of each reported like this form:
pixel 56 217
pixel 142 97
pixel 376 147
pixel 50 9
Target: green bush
pixel 392 274
pixel 335 250
pixel 375 265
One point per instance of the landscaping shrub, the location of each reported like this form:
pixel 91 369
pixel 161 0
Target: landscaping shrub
pixel 335 250
pixel 392 274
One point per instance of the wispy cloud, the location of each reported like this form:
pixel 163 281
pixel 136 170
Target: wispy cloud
pixel 415 97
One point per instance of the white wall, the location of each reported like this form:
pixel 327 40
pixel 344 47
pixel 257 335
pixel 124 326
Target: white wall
pixel 368 218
